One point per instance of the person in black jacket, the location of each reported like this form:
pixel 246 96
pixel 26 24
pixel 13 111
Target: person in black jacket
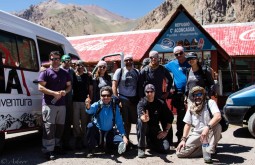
pixel 151 111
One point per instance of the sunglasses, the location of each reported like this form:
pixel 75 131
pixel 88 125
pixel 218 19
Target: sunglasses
pixel 149 91
pixel 55 59
pixel 191 59
pixel 198 94
pixel 129 60
pixel 105 95
pixel 102 67
pixel 178 54
pixel 153 58
pixel 79 65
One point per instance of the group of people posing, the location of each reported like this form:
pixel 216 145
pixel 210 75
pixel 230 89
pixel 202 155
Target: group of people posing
pixel 102 109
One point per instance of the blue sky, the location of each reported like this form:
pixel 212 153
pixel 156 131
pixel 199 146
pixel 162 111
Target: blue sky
pixel 128 8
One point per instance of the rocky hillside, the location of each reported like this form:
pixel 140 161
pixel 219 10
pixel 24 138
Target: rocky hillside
pixel 75 20
pixel 204 11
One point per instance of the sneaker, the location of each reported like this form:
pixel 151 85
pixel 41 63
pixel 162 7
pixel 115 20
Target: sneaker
pixel 91 153
pixel 141 153
pixel 121 147
pixel 50 156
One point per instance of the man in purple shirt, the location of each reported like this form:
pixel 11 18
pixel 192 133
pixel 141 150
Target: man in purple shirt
pixel 54 83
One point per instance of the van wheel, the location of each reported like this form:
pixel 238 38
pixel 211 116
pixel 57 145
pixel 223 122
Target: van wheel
pixel 251 125
pixel 2 141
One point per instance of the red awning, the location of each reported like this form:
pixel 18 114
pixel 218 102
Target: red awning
pixel 92 47
pixel 236 39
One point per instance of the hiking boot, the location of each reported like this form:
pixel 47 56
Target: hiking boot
pixel 141 153
pixel 50 156
pixel 208 161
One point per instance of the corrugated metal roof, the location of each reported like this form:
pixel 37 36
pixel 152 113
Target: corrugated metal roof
pixel 92 47
pixel 236 39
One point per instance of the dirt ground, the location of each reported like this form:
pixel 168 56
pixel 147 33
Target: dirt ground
pixel 236 147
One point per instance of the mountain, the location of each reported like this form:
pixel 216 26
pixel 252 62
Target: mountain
pixel 204 11
pixel 74 20
pixel 77 20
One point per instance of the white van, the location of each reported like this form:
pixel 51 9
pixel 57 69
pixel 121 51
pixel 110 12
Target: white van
pixel 24 46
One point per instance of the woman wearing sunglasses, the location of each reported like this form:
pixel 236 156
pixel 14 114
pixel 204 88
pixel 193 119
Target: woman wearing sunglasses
pixel 198 76
pixel 101 79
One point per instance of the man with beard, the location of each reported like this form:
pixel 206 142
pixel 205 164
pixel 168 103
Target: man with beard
pixel 156 74
pixel 205 127
pixel 151 113
pixel 124 87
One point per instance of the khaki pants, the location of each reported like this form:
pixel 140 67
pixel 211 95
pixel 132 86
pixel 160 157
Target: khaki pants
pixel 53 126
pixel 193 146
pixel 80 120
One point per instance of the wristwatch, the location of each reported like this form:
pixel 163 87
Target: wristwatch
pixel 209 126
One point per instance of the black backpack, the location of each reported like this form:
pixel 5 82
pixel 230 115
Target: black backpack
pixel 223 122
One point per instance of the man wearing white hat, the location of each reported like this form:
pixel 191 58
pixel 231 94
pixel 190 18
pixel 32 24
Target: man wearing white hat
pixel 124 86
pixel 178 67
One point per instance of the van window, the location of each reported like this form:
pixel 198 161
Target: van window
pixel 45 47
pixel 18 52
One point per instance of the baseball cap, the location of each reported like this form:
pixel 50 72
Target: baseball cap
pixel 80 62
pixel 149 87
pixel 191 55
pixel 178 49
pixel 65 57
pixel 153 54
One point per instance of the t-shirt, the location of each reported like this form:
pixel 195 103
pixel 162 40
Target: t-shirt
pixel 201 120
pixel 199 78
pixel 81 87
pixel 55 81
pixel 179 73
pixel 128 83
pixel 155 77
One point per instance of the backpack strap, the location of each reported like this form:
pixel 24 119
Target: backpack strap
pixel 120 76
pixel 209 109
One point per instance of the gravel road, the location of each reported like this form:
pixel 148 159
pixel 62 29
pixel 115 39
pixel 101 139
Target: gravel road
pixel 236 147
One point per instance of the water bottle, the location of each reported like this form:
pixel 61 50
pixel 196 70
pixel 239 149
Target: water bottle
pixel 54 100
pixel 206 155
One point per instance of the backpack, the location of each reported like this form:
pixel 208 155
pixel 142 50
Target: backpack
pixel 203 70
pixel 223 122
pixel 100 106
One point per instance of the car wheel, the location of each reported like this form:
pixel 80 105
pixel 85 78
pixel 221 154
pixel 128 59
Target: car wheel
pixel 2 141
pixel 251 125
